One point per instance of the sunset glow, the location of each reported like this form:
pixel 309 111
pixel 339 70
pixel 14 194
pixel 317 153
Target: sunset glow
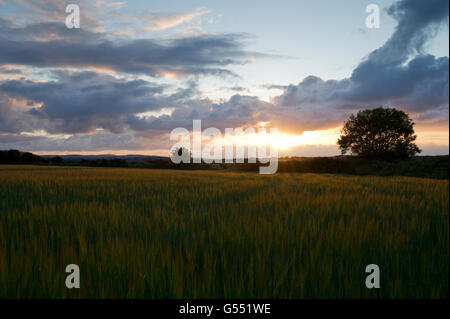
pixel 135 70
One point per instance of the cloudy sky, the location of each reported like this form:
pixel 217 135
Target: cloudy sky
pixel 136 69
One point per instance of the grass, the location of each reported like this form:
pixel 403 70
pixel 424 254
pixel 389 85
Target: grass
pixel 197 234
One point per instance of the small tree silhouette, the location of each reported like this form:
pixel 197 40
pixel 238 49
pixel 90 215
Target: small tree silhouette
pixel 382 133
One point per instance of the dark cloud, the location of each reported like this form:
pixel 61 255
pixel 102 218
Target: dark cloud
pixel 10 71
pixel 274 87
pixel 237 89
pixel 52 45
pixel 418 21
pixel 236 112
pixel 11 121
pixel 95 142
pixel 397 74
pixel 33 12
pixel 83 101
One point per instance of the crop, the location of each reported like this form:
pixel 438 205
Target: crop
pixel 139 233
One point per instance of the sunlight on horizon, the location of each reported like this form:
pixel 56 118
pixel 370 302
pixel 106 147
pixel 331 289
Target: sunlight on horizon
pixel 284 141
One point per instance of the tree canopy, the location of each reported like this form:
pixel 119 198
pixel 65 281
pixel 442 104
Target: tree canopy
pixel 381 133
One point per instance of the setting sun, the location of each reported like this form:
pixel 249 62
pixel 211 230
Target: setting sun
pixel 285 141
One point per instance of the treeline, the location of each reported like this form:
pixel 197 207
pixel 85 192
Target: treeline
pixel 419 166
pixel 17 157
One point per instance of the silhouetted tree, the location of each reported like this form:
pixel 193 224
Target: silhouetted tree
pixel 17 157
pixel 382 133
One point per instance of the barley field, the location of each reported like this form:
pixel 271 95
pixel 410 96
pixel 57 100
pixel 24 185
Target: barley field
pixel 139 233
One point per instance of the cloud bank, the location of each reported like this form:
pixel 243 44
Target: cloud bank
pixel 88 89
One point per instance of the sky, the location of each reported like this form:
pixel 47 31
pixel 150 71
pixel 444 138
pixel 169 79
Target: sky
pixel 137 69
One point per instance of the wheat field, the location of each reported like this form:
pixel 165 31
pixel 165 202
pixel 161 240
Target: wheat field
pixel 139 233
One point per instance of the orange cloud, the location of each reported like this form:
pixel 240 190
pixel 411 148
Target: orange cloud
pixel 173 20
